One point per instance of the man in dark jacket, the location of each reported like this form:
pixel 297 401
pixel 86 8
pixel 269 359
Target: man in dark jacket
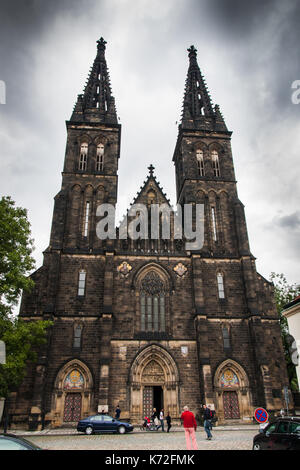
pixel 117 412
pixel 169 419
pixel 207 416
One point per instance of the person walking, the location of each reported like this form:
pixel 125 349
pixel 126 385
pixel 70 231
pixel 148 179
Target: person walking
pixel 117 412
pixel 190 426
pixel 207 416
pixel 168 419
pixel 154 418
pixel 161 419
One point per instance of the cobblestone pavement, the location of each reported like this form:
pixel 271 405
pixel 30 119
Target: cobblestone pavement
pixel 222 440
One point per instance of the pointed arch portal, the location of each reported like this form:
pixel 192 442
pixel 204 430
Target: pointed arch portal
pixel 154 383
pixel 233 396
pixel 72 394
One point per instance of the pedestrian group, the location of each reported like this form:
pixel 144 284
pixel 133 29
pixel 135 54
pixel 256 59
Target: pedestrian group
pixel 188 421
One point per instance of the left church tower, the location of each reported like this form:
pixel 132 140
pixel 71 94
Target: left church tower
pixel 91 162
pixel 69 288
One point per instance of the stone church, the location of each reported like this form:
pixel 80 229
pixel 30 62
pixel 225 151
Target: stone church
pixel 147 323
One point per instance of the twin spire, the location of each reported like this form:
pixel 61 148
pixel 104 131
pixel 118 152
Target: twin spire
pixel 97 104
pixel 198 111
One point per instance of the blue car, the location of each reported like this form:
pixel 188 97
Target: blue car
pixel 102 423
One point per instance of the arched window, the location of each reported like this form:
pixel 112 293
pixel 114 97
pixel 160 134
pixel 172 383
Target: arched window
pixel 152 303
pixel 220 281
pixel 100 157
pixel 83 156
pixel 81 283
pixel 215 163
pixel 200 162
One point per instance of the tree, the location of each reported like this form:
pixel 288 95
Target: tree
pixel 21 338
pixel 16 248
pixel 285 293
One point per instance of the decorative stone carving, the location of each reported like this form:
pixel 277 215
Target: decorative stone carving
pixel 153 373
pixel 124 268
pixel 184 350
pixel 180 269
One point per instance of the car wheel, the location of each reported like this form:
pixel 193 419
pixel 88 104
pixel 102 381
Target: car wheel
pixel 256 446
pixel 121 430
pixel 89 430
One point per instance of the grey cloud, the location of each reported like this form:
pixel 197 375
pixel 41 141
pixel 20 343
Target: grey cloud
pixel 291 222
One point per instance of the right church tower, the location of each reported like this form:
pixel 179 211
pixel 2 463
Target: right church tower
pixel 240 353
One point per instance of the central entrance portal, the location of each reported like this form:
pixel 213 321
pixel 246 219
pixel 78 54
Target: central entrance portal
pixel 154 383
pixel 153 398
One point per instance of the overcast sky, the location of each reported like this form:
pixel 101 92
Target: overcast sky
pixel 249 55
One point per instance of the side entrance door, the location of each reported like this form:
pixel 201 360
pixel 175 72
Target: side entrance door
pixel 231 405
pixel 72 411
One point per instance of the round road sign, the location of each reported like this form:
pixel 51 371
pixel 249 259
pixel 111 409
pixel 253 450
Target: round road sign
pixel 261 415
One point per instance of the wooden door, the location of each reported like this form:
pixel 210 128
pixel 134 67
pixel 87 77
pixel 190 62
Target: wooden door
pixel 231 405
pixel 72 410
pixel 148 401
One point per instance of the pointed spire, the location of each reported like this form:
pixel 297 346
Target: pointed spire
pixel 97 103
pixel 198 111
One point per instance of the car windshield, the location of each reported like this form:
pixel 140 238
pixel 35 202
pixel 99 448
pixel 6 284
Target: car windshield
pixel 11 443
pixel 271 428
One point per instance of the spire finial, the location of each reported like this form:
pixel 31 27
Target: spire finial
pixel 192 51
pixel 101 43
pixel 151 169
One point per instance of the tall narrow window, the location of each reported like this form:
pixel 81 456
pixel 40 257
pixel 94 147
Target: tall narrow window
pixel 100 158
pixel 81 283
pixel 200 162
pixel 221 291
pixel 152 304
pixel 86 220
pixel 215 163
pixel 83 156
pixel 214 225
pixel 77 337
pixel 226 338
pixel 143 311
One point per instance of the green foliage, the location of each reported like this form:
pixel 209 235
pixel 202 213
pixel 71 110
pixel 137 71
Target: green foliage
pixel 22 340
pixel 16 248
pixel 285 293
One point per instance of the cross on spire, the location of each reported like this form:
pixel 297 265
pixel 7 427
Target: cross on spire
pixel 151 169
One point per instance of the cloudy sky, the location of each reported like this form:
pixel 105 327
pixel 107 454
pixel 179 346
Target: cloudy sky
pixel 249 55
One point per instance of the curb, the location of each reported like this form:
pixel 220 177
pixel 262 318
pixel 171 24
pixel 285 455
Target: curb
pixel 61 433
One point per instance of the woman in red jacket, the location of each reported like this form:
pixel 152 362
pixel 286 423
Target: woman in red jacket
pixel 190 426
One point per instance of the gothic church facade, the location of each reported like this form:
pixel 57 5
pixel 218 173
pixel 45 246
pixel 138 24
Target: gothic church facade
pixel 146 323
